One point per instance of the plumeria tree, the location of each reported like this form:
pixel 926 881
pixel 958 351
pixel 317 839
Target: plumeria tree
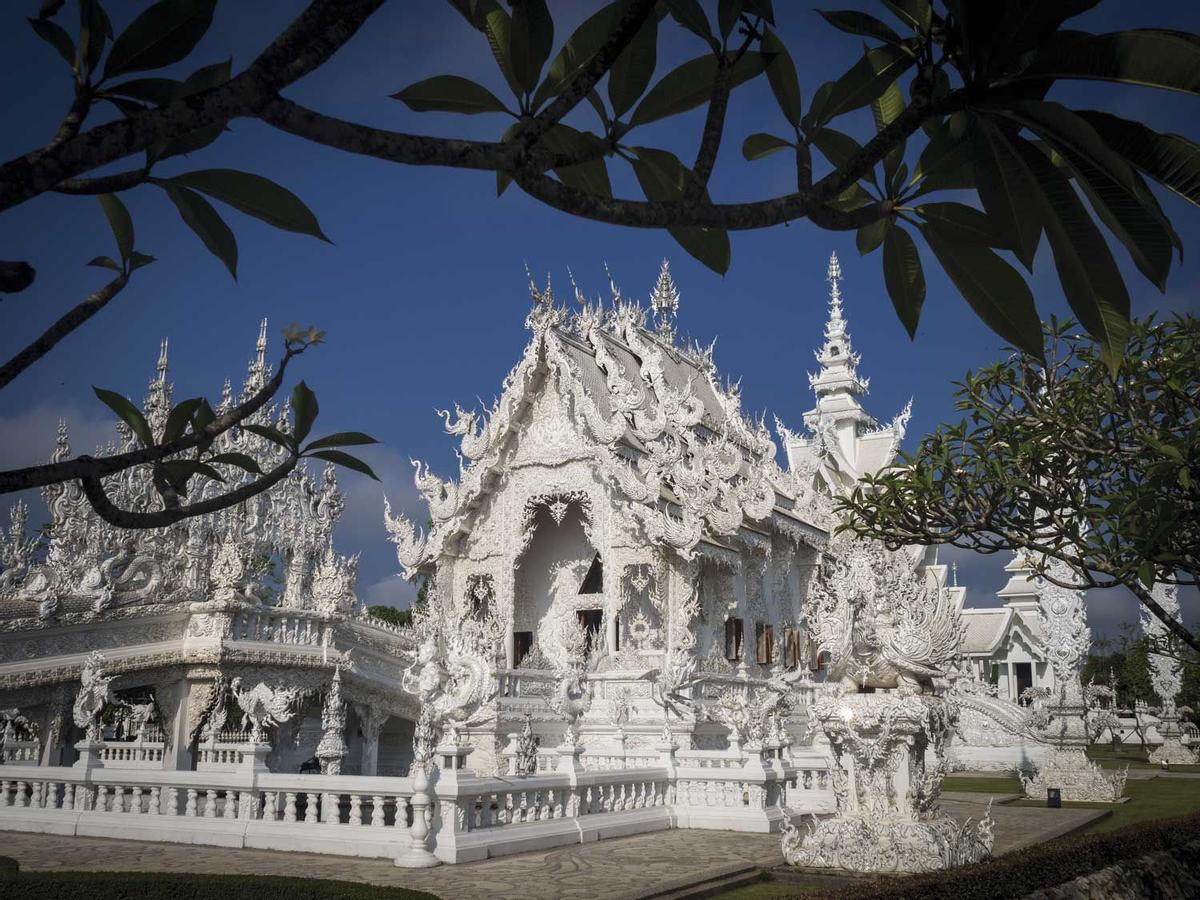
pixel 959 94
pixel 1064 460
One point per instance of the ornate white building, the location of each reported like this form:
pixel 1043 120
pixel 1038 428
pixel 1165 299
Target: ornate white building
pixel 636 619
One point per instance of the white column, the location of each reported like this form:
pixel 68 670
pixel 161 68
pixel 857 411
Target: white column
pixel 173 701
pixel 610 632
pixel 371 721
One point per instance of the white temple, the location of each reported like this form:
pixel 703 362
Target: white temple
pixel 636 619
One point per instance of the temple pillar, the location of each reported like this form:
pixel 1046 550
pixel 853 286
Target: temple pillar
pixel 371 721
pixel 610 632
pixel 172 702
pixel 510 645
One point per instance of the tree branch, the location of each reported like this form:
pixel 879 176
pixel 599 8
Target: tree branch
pixel 60 329
pixel 307 43
pixel 98 467
pixel 105 184
pixel 93 489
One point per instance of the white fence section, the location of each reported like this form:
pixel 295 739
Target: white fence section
pixel 469 817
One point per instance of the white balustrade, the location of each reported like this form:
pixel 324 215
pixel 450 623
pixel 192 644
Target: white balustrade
pixel 15 752
pixel 470 818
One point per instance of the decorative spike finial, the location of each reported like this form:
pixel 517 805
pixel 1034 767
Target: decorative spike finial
pixel 62 443
pixel 834 276
pixel 260 346
pixel 162 360
pixel 664 300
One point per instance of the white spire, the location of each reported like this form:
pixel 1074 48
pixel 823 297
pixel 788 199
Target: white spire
pixel 834 276
pixel 664 299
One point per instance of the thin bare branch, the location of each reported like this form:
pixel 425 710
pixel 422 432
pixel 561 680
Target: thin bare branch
pixel 97 467
pixel 93 489
pixel 67 323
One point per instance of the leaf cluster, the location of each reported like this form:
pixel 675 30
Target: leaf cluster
pixel 1065 459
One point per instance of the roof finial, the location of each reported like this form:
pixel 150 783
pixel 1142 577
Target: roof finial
pixel 834 276
pixel 664 299
pixel 162 360
pixel 261 346
pixel 954 572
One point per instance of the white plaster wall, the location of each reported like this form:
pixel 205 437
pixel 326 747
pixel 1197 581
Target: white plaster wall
pixel 551 544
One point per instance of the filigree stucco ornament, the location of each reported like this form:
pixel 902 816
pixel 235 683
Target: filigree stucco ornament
pixel 887 818
pixel 883 623
pixel 673 688
pixel 95 692
pixel 333 583
pixel 528 745
pixel 82 569
pixel 1166 676
pixel 1067 639
pixel 331 749
pixel 264 706
pixel 571 700
pixel 891 628
pixel 450 675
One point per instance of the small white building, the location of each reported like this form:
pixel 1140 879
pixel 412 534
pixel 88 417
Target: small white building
pixel 1004 645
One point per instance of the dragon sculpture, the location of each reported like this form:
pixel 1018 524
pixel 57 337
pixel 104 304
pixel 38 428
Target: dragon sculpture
pixel 264 707
pixel 883 624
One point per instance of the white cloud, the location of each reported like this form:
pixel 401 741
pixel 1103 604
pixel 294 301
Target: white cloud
pixel 391 591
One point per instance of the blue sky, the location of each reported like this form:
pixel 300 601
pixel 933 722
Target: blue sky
pixel 423 291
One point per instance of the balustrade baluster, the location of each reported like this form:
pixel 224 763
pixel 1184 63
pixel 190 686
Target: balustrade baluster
pixel 356 809
pixel 190 809
pixel 271 811
pixel 376 811
pixel 231 804
pixel 22 800
pixel 210 803
pixel 310 808
pixel 289 808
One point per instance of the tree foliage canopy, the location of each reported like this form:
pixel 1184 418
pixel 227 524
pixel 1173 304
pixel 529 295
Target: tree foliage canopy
pixel 1066 461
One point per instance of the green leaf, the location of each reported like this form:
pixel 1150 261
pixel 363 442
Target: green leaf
pixel 1007 191
pixel 120 223
pixel 727 15
pixel 137 260
pixel 838 148
pixel 590 176
pixel 272 434
pixel 345 459
pixel 449 93
pixel 690 15
pixel 764 9
pixel 965 222
pixel 56 36
pixel 127 413
pixel 758 145
pixel 904 277
pixel 781 74
pixel 179 417
pixel 106 262
pixel 204 416
pixel 305 407
pixel 631 72
pixel 993 288
pixel 162 34
pixel 1149 57
pixel 1133 217
pixel 917 14
pixel 531 41
pixel 580 47
pixel 497 26
pixel 156 91
pixel 860 23
pixel 241 460
pixel 871 235
pixel 814 118
pixel 341 439
pixel 690 85
pixel 1089 275
pixel 854 197
pixel 180 471
pixel 663 178
pixel 944 153
pixel 255 196
pixel 198 214
pixel 1169 159
pixel 190 142
pixel 94 30
pixel 866 80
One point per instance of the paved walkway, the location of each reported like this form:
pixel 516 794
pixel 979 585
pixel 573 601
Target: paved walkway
pixel 617 869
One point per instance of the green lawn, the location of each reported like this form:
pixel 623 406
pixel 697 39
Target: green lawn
pixel 1154 798
pixel 997 786
pixel 1128 756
